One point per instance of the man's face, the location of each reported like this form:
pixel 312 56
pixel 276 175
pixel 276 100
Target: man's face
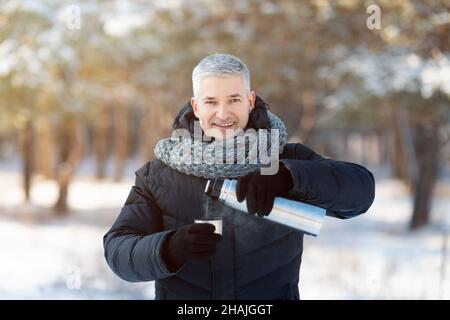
pixel 223 105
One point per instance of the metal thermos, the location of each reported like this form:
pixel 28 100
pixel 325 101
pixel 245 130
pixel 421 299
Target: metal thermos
pixel 295 214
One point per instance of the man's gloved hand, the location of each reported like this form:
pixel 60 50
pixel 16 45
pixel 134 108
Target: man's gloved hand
pixel 261 190
pixel 196 241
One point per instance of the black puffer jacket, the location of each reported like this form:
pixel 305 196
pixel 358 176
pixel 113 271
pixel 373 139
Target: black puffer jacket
pixel 256 259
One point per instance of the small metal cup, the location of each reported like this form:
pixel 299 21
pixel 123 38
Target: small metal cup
pixel 216 222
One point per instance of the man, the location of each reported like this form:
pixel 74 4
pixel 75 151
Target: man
pixel 155 238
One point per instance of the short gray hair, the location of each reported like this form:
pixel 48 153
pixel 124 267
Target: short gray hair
pixel 219 64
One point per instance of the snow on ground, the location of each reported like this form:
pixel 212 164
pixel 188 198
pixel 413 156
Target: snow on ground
pixel 369 257
pixel 374 256
pixel 44 257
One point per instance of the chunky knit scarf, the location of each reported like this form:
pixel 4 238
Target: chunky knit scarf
pixel 213 159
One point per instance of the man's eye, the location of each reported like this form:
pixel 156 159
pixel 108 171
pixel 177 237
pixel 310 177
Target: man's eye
pixel 235 100
pixel 210 102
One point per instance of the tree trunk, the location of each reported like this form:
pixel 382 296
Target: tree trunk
pixel 428 149
pixel 101 134
pixel 27 147
pixel 153 128
pixel 385 141
pixel 63 179
pixel 70 153
pixel 309 116
pixel 404 158
pixel 45 147
pixel 120 139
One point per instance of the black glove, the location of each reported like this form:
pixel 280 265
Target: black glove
pixel 192 242
pixel 261 190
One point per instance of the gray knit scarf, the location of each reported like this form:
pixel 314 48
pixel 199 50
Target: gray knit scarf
pixel 230 159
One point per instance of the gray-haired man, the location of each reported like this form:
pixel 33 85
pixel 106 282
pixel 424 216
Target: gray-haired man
pixel 154 236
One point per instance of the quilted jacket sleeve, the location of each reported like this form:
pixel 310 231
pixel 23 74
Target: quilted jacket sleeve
pixel 132 246
pixel 345 189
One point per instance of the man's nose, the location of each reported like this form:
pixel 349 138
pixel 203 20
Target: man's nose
pixel 222 113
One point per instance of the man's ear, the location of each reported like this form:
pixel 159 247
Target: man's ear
pixel 252 100
pixel 194 106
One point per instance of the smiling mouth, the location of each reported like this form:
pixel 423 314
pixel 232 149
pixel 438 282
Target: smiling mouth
pixel 224 125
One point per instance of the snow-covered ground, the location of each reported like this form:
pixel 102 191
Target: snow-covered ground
pixel 371 256
pixel 375 256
